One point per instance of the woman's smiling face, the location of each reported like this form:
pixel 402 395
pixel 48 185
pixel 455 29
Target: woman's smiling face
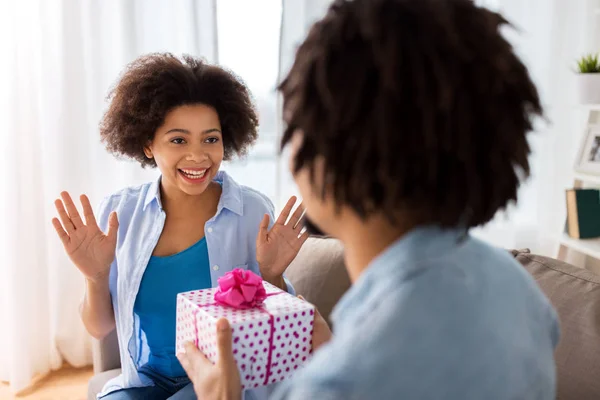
pixel 188 148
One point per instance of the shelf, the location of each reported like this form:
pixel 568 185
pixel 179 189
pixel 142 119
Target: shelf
pixel 587 178
pixel 587 107
pixel 589 247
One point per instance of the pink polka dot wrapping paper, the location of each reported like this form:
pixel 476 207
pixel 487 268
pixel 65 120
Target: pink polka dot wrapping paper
pixel 269 342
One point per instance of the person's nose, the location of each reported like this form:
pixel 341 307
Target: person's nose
pixel 197 153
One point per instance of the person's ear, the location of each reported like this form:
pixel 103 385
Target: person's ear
pixel 148 151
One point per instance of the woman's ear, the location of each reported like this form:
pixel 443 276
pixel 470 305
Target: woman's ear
pixel 148 151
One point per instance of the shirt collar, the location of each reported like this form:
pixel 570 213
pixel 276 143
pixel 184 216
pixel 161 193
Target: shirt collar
pixel 231 197
pixel 400 260
pixel 153 193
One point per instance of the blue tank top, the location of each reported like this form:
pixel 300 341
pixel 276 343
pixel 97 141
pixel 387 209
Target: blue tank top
pixel 156 302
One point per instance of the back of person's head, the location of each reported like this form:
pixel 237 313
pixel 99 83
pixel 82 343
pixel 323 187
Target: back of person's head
pixel 413 105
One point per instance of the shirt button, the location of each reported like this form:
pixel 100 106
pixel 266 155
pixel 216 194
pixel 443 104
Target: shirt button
pixel 215 268
pixel 210 231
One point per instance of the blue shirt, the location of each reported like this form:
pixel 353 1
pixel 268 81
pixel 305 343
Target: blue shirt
pixel 436 316
pixel 230 238
pixel 156 303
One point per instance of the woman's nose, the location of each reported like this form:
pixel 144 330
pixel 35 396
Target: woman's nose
pixel 197 153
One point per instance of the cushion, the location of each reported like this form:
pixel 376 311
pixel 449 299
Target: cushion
pixel 575 294
pixel 319 274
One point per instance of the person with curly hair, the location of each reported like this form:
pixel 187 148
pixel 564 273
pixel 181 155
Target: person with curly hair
pixel 182 232
pixel 407 122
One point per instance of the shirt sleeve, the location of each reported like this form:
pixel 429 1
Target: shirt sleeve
pixel 289 287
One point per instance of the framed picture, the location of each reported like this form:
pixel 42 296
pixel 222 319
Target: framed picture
pixel 588 161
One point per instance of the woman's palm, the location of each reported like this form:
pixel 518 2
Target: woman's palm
pixel 89 248
pixel 276 248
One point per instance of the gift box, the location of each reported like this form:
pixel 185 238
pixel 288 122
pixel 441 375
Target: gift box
pixel 271 329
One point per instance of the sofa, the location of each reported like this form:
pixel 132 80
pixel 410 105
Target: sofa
pixel 318 273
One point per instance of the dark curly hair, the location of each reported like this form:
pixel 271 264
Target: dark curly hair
pixel 155 84
pixel 414 106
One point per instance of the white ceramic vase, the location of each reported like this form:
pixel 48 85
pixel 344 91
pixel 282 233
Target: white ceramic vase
pixel 589 88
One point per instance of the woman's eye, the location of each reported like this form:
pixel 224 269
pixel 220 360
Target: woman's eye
pixel 212 140
pixel 178 141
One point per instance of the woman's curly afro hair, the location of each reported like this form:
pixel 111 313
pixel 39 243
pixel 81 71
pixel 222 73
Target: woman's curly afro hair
pixel 155 84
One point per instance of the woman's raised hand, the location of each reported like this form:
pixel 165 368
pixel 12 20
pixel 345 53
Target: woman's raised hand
pixel 91 250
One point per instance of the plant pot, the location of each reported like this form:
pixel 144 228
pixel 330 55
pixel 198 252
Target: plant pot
pixel 588 87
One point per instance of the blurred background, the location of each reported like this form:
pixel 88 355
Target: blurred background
pixel 59 59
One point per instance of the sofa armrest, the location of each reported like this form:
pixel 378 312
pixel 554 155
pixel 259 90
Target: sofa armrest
pixel 105 353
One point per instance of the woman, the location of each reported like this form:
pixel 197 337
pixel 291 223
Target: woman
pixel 179 233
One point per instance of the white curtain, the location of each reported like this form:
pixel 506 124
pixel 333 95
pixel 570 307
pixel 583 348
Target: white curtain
pixel 59 59
pixel 251 49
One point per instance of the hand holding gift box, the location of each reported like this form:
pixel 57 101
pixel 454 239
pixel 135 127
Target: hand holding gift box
pixel 271 329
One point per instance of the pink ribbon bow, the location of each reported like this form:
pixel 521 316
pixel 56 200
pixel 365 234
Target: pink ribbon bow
pixel 240 289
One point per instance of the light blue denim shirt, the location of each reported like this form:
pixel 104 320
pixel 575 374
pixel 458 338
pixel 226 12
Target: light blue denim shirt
pixel 230 237
pixel 436 316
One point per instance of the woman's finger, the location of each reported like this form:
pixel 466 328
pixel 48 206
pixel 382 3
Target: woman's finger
pixel 263 229
pixel 113 226
pixel 188 366
pixel 64 217
pixel 72 210
pixel 224 344
pixel 286 211
pixel 88 212
pixel 197 363
pixel 295 218
pixel 321 331
pixel 61 232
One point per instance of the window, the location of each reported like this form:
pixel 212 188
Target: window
pixel 248 44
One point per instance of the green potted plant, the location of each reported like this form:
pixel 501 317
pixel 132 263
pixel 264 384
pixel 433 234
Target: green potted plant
pixel 588 70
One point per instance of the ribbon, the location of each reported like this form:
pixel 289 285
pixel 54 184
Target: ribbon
pixel 240 289
pixel 270 353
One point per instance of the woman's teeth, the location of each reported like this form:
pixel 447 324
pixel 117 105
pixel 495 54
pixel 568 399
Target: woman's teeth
pixel 193 174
